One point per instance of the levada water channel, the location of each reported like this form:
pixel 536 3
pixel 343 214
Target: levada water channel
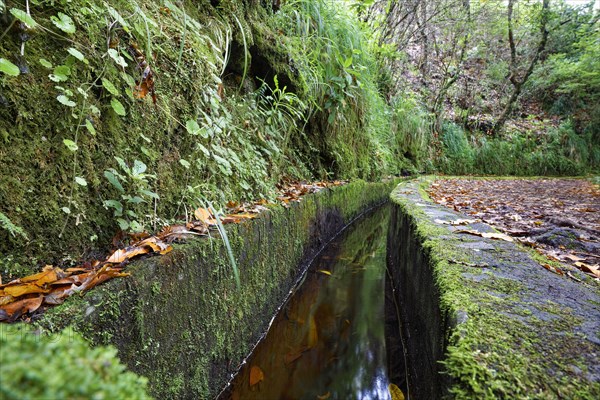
pixel 336 337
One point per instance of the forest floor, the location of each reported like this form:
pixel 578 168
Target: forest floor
pixel 558 218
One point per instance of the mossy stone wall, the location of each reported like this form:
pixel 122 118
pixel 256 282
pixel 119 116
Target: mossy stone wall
pixel 181 321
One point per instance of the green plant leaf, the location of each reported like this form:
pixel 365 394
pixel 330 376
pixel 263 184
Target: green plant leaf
pixel 114 181
pixel 192 127
pixel 117 17
pixel 80 181
pixel 77 54
pixel 58 78
pixel 66 101
pixel 71 145
pixel 150 194
pixel 117 57
pixel 138 168
pixel 124 225
pixel 108 85
pixel 45 63
pixel 123 165
pixel 66 210
pixel 118 107
pixel 62 70
pixel 63 22
pixel 23 17
pixel 90 127
pixel 135 200
pixel 95 110
pixel 116 205
pixel 185 163
pixel 203 149
pixel 9 68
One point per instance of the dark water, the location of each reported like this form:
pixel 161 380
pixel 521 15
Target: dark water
pixel 328 341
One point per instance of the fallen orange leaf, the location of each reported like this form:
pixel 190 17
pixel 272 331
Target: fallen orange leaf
pixel 23 289
pixel 256 375
pixel 12 311
pixel 202 214
pixel 124 254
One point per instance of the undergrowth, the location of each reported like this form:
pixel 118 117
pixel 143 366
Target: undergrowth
pixel 559 151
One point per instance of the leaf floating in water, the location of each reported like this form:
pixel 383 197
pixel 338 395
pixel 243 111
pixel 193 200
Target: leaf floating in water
pixel 256 375
pixel 325 272
pixel 395 392
pixel 324 396
pixel 293 356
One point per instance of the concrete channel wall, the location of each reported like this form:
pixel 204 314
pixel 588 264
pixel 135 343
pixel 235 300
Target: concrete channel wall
pixel 180 320
pixel 481 318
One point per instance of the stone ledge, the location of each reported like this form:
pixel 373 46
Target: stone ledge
pixel 482 319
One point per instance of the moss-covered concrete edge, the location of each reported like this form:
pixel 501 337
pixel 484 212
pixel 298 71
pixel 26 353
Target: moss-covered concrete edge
pixel 507 327
pixel 180 320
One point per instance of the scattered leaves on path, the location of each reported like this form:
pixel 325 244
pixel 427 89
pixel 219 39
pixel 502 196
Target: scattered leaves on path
pixel 559 218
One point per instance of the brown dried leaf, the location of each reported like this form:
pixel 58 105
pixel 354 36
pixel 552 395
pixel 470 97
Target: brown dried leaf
pixel 125 254
pixel 12 311
pixel 573 257
pixel 204 215
pixel 23 289
pixel 256 375
pixel 591 269
pixel 489 235
pixel 551 268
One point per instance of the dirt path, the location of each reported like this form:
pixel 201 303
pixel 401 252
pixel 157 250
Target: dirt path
pixel 560 218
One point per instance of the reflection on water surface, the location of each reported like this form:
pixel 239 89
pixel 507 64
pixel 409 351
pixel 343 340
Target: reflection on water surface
pixel 328 341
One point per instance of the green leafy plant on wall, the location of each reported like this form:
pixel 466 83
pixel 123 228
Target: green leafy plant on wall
pixel 135 194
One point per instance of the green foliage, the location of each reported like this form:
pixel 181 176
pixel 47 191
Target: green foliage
pixel 569 81
pixel 62 366
pixel 14 230
pixel 9 68
pixel 338 74
pixel 412 127
pixel 136 196
pixel 561 151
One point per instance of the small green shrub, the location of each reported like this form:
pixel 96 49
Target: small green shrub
pixel 62 366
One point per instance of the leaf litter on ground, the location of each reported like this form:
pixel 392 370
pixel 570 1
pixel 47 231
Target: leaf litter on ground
pixel 559 218
pixel 21 298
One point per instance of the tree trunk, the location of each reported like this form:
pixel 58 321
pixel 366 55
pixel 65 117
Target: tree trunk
pixel 514 78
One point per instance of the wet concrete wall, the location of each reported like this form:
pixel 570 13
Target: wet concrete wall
pixel 421 323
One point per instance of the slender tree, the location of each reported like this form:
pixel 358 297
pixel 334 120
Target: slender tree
pixel 518 78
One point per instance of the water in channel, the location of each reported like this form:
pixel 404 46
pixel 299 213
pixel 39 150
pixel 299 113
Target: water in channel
pixel 328 341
